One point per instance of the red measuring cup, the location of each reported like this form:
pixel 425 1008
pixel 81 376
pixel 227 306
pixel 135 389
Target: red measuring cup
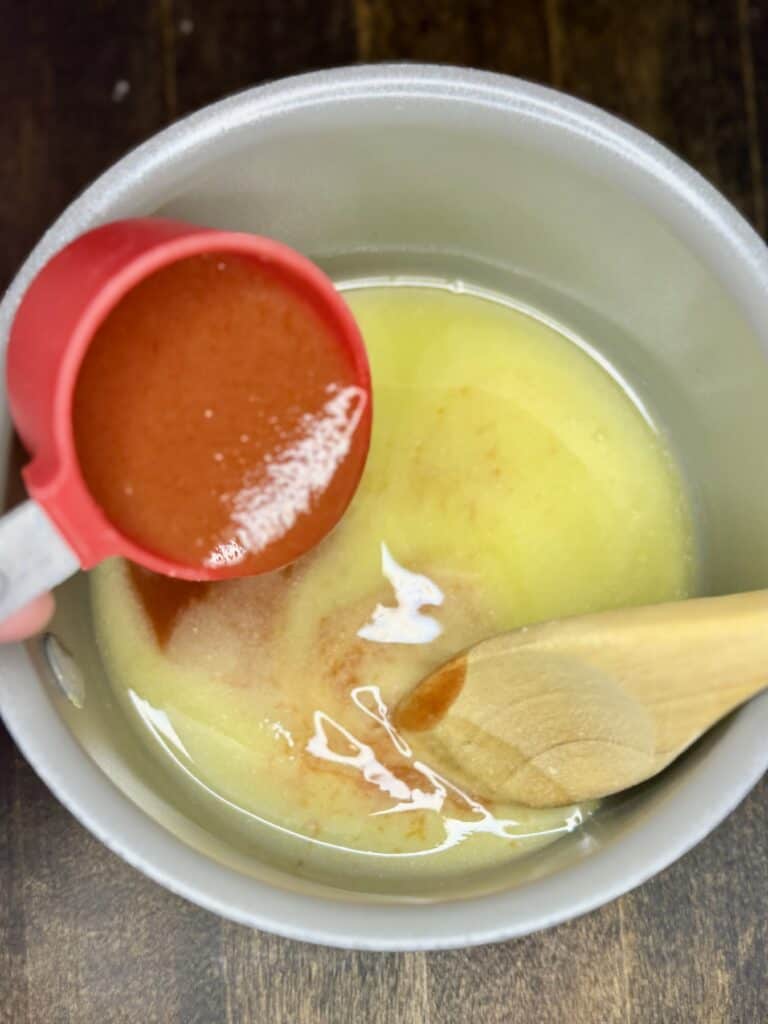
pixel 61 528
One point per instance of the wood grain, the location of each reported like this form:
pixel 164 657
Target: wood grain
pixel 565 712
pixel 219 48
pixel 480 33
pixel 65 112
pixel 84 939
pixel 688 88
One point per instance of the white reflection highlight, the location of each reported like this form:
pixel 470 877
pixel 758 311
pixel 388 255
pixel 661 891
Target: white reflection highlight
pixel 431 797
pixel 159 725
pixel 158 721
pixel 284 487
pixel 279 731
pixel 363 757
pixel 405 624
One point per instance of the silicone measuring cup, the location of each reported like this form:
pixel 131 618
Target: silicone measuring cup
pixel 60 528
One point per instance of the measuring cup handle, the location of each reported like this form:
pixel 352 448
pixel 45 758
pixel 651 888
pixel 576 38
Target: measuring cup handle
pixel 33 557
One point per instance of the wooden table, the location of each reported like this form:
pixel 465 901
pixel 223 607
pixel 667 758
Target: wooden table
pixel 83 937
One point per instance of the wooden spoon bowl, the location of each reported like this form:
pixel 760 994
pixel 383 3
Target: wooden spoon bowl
pixel 575 710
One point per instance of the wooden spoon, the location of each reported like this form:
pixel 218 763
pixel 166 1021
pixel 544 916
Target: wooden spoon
pixel 574 710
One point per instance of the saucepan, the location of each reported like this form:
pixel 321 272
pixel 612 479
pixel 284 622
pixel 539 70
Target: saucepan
pixel 445 172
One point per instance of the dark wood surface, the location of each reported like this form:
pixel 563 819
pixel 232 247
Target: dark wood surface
pixel 84 938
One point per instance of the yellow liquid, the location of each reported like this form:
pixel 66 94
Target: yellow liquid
pixel 517 478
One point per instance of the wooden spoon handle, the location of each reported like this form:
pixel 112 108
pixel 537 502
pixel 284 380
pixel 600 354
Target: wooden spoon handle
pixel 691 662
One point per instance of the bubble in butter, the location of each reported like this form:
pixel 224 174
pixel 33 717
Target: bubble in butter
pixel 511 479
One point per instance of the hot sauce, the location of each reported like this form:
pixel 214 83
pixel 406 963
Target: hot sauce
pixel 216 418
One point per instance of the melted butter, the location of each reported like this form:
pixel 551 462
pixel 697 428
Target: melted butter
pixel 510 479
